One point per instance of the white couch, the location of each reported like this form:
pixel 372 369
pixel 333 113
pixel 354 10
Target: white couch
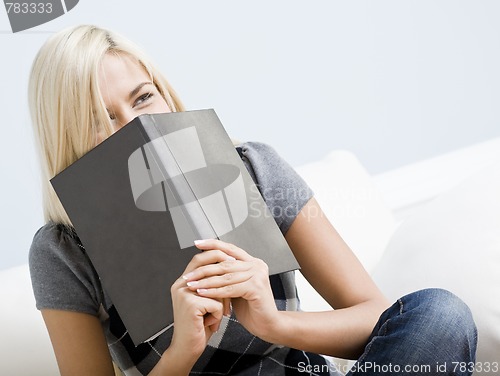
pixel 404 236
pixel 435 223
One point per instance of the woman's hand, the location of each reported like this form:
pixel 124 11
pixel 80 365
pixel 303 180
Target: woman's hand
pixel 244 279
pixel 196 317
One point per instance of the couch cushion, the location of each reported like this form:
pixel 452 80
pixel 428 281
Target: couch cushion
pixel 454 243
pixel 25 346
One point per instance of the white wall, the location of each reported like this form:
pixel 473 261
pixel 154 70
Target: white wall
pixel 393 81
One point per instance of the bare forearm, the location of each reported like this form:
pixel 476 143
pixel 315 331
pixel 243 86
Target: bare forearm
pixel 341 333
pixel 173 364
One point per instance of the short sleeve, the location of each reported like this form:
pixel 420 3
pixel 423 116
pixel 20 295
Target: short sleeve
pixel 283 189
pixel 62 275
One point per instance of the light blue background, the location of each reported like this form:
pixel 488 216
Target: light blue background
pixel 393 81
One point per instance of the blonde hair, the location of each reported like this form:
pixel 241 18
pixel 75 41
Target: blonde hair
pixel 66 105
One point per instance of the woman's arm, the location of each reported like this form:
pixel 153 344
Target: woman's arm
pixel 81 349
pixel 331 268
pixel 78 342
pixel 80 345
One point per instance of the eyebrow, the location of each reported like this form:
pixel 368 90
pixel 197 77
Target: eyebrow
pixel 139 87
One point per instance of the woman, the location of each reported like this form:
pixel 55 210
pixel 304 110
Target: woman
pixel 87 83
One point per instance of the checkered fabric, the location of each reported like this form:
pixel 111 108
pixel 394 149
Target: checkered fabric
pixel 64 278
pixel 231 351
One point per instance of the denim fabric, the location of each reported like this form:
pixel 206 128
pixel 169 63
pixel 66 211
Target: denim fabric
pixel 428 332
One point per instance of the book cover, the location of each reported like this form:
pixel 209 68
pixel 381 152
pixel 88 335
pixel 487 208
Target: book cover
pixel 140 198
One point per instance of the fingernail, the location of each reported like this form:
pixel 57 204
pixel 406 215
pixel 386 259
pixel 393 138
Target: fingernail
pixel 192 283
pixel 201 291
pixel 201 241
pixel 230 258
pixel 188 276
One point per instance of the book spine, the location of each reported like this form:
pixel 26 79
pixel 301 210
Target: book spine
pixel 190 219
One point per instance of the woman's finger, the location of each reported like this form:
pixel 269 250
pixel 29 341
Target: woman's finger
pixel 226 303
pixel 212 312
pixel 212 256
pixel 211 322
pixel 229 279
pixel 237 290
pixel 220 280
pixel 228 248
pixel 230 265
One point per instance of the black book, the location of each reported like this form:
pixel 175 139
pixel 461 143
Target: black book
pixel 140 198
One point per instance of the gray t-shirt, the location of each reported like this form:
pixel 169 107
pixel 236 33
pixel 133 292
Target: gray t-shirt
pixel 64 278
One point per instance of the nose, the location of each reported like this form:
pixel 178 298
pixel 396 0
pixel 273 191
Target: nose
pixel 123 118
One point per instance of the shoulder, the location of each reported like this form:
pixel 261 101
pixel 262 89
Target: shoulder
pixel 264 162
pixel 249 146
pixel 54 241
pixel 52 232
pixel 258 152
pixel 281 187
pixel 62 275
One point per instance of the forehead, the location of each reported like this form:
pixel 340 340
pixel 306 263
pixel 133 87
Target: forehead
pixel 119 74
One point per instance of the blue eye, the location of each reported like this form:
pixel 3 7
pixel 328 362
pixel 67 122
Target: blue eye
pixel 143 98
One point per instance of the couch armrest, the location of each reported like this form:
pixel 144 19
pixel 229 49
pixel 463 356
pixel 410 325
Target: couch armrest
pixel 25 346
pixel 406 188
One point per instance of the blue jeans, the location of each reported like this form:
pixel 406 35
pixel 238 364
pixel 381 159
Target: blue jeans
pixel 428 332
